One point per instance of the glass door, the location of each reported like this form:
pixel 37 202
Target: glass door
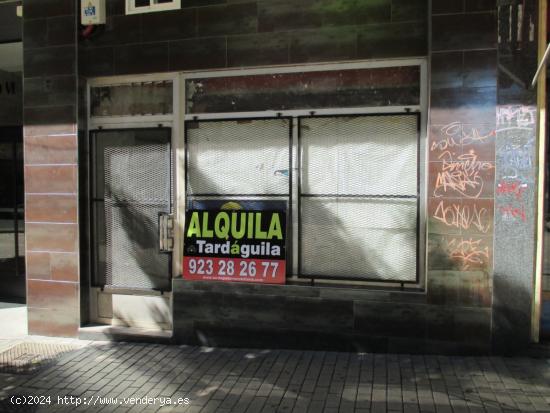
pixel 132 185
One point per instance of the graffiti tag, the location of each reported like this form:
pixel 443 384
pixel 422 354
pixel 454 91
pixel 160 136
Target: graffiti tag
pixel 468 252
pixel 454 136
pixel 516 158
pixel 515 187
pixel 511 212
pixel 516 115
pixel 462 217
pixel 461 175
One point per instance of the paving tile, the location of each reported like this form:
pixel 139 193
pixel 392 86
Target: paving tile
pixel 223 380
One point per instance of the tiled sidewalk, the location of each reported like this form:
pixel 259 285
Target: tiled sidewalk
pixel 228 380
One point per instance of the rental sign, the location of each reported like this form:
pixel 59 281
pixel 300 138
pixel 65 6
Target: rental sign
pixel 226 245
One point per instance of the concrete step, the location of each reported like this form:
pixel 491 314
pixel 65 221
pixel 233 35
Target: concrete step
pixel 100 332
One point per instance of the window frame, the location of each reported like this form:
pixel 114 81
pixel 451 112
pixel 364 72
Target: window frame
pixel 421 109
pixel 366 278
pixel 131 7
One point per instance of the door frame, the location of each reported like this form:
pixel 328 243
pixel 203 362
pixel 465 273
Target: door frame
pixel 131 122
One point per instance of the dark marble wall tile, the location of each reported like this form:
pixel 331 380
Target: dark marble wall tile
pixel 261 312
pixel 228 19
pixel 40 115
pixel 443 284
pixel 54 90
pixel 479 5
pixel 201 3
pixel 323 45
pixel 447 70
pixel 399 320
pixel 447 6
pixel 460 288
pixel 440 322
pixel 480 68
pixel 473 325
pixel 229 34
pixel 352 12
pixel 50 61
pixel 246 288
pixel 392 40
pixel 61 31
pixel 141 58
pixel 49 8
pixel 54 31
pixel 116 7
pixel 466 105
pixel 35 33
pixel 408 10
pixel 170 25
pixel 281 15
pixel 280 316
pixel 97 61
pixel 119 30
pixel 198 54
pixel 258 49
pixel 464 31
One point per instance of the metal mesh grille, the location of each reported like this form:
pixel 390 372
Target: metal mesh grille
pixel 359 197
pixel 374 155
pixel 138 173
pixel 136 186
pixel 239 157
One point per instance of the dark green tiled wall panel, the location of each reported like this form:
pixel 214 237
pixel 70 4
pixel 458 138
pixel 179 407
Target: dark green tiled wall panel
pixel 213 34
pixel 235 314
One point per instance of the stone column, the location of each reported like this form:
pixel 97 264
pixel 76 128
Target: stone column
pixel 51 166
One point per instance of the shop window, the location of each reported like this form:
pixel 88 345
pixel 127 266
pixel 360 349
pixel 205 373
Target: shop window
pixel 146 6
pixel 350 178
pixel 359 198
pixel 357 185
pixel 132 99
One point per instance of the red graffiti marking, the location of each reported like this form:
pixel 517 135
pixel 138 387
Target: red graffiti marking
pixel 462 217
pixel 475 137
pixel 461 175
pixel 515 188
pixel 511 212
pixel 468 251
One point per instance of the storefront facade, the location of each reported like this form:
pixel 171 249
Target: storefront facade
pixel 382 154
